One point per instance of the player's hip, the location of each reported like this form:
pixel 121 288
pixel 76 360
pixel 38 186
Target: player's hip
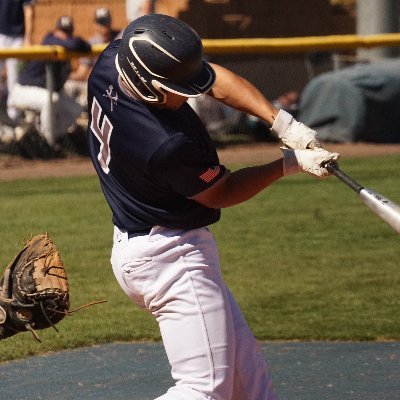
pixel 147 266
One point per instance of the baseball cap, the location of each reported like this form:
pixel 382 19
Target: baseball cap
pixel 65 24
pixel 102 16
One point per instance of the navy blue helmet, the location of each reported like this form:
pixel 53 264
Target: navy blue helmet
pixel 161 52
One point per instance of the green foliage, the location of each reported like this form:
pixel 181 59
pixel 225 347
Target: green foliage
pixel 305 259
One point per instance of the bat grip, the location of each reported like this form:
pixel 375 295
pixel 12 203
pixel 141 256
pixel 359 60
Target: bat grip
pixel 334 169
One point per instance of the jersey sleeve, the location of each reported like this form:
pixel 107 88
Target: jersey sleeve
pixel 185 168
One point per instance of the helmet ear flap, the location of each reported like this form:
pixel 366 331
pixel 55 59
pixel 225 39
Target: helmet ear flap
pixel 139 88
pixel 161 90
pixel 165 89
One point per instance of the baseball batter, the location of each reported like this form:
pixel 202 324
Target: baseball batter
pixel 162 179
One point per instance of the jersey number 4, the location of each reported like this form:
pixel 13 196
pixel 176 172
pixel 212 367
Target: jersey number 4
pixel 103 133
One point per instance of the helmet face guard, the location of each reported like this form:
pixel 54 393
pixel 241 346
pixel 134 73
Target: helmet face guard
pixel 159 53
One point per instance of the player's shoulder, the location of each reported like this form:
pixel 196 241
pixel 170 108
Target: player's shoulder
pixel 50 39
pixel 109 53
pixel 105 62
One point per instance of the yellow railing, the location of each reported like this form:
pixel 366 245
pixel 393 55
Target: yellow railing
pixel 232 46
pixel 299 44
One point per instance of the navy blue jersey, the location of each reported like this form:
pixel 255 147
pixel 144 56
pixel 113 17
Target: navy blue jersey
pixel 150 161
pixel 12 22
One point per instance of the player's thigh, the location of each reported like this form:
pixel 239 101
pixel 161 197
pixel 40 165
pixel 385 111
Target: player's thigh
pixel 195 320
pixel 178 279
pixel 29 97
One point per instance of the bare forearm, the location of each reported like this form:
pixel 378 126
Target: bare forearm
pixel 241 185
pixel 240 94
pixel 28 17
pixel 245 183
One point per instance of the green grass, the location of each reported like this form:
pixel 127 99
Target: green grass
pixel 305 259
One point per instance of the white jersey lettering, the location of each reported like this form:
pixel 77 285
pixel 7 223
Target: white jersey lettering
pixel 102 133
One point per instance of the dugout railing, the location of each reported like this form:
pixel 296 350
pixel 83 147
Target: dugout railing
pixel 232 46
pixel 275 65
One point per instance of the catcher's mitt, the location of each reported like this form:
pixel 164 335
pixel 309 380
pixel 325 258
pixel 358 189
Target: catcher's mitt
pixel 34 289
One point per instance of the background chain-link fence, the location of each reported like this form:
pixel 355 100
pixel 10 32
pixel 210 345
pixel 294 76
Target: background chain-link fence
pixel 280 68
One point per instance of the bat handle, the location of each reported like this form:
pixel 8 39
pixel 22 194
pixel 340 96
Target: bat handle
pixel 335 170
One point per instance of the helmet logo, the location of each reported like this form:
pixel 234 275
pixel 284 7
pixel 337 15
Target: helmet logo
pixel 139 87
pixel 142 78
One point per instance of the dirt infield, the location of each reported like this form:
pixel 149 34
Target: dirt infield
pixel 12 167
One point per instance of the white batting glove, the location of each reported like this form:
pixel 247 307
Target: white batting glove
pixel 292 133
pixel 310 161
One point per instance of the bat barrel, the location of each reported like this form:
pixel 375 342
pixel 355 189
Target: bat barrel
pixel 383 207
pixel 334 169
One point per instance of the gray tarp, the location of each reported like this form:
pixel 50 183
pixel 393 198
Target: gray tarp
pixel 360 103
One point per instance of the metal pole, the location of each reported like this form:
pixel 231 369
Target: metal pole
pixel 374 17
pixel 50 84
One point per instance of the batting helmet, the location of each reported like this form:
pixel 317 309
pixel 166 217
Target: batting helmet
pixel 161 52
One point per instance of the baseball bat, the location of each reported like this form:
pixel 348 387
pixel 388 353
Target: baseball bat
pixel 380 205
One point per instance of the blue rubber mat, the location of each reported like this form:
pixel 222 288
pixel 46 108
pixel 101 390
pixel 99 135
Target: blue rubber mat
pixel 140 371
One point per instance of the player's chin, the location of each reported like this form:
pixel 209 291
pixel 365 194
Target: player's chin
pixel 174 107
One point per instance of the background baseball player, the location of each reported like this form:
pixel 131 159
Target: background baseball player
pixel 30 93
pixel 162 179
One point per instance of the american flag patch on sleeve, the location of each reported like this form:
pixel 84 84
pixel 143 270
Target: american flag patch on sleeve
pixel 210 174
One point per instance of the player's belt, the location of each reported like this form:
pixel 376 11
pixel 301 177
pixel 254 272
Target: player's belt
pixel 139 232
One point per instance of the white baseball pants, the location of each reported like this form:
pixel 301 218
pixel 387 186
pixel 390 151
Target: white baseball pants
pixel 176 276
pixel 65 109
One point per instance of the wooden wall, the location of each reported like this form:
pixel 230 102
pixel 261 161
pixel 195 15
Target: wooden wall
pixel 82 11
pixel 211 18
